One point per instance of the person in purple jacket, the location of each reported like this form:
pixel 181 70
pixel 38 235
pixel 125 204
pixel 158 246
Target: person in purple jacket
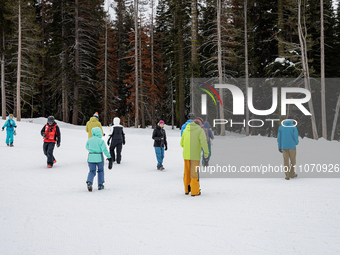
pixel 287 139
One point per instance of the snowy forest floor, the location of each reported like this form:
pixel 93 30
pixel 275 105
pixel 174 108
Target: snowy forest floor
pixel 145 211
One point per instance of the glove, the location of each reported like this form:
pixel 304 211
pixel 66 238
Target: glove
pixel 2 129
pixel 124 142
pixel 15 126
pixel 104 134
pixel 58 145
pixel 280 150
pixel 44 135
pixel 110 163
pixel 108 143
pixel 166 148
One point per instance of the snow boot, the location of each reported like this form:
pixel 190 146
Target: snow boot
pixel 100 186
pixel 11 145
pixel 189 189
pixel 89 186
pixel 55 161
pixel 8 144
pixel 110 164
pixel 197 194
pixel 49 166
pixel 294 175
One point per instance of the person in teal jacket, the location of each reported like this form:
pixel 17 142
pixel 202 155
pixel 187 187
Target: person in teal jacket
pixel 287 139
pixel 9 125
pixel 96 147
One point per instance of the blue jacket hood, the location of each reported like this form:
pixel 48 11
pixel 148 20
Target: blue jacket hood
pixel 96 131
pixel 206 124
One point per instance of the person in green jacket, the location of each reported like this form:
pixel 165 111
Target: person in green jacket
pixel 96 147
pixel 93 122
pixel 193 141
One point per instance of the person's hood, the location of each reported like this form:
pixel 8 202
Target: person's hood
pixel 97 132
pixel 94 119
pixel 192 126
pixel 116 121
pixel 206 124
pixel 288 122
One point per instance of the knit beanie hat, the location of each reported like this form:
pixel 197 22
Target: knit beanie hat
pixel 161 122
pixel 96 115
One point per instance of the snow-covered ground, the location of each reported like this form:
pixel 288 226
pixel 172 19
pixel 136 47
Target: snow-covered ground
pixel 145 211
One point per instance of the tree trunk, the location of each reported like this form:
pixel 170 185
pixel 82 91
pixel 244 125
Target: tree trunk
pixel 65 107
pixel 3 90
pixel 304 60
pixel 280 45
pixel 105 79
pixel 246 62
pixel 136 64
pixel 76 85
pixel 19 65
pixel 335 117
pixel 219 62
pixel 323 85
pixel 142 107
pixel 181 81
pixel 153 122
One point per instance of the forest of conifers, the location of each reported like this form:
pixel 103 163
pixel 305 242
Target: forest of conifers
pixel 69 58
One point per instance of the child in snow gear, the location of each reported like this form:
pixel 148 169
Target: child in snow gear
pixel 287 139
pixel 51 134
pixel 191 118
pixel 193 139
pixel 10 131
pixel 93 122
pixel 210 136
pixel 118 140
pixel 160 143
pixel 96 147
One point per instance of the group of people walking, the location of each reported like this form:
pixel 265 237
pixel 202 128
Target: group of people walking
pixel 196 139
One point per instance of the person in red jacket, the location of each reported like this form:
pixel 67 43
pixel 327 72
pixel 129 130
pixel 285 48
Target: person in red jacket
pixel 51 134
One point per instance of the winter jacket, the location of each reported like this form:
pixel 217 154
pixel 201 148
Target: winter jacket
pixel 93 122
pixel 96 146
pixel 51 133
pixel 185 125
pixel 288 136
pixel 9 125
pixel 117 133
pixel 193 141
pixel 157 134
pixel 208 133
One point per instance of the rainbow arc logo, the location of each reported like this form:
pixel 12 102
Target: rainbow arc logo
pixel 206 90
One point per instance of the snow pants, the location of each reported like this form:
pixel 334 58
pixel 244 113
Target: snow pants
pixel 48 151
pixel 118 145
pixel 289 155
pixel 191 176
pixel 93 167
pixel 159 155
pixel 9 136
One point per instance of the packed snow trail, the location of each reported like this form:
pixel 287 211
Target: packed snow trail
pixel 144 211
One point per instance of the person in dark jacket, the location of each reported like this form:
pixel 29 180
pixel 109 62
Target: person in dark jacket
pixel 51 134
pixel 210 136
pixel 118 140
pixel 287 139
pixel 160 143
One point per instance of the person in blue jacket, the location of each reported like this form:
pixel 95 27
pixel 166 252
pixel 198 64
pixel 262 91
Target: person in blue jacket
pixel 287 139
pixel 191 118
pixel 9 125
pixel 96 147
